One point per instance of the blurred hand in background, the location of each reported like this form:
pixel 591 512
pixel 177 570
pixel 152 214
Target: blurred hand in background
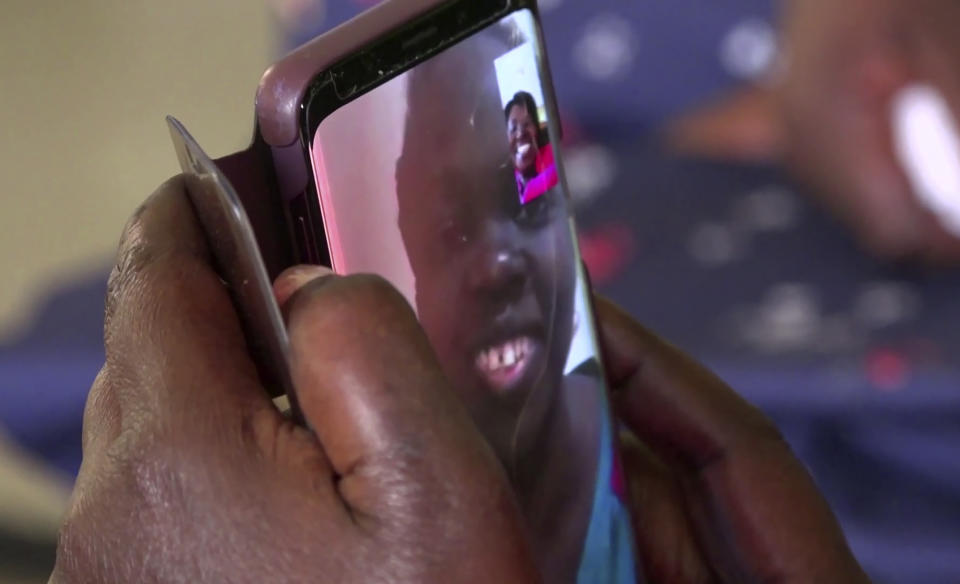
pixel 827 112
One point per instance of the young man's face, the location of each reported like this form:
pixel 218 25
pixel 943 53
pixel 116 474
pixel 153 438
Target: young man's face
pixel 522 134
pixel 494 278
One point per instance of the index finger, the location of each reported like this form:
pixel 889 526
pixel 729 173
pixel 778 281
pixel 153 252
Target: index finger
pixel 171 331
pixel 755 508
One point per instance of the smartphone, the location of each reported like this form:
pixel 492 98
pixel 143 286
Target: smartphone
pixel 421 142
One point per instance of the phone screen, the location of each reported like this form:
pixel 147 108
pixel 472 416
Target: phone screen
pixel 446 180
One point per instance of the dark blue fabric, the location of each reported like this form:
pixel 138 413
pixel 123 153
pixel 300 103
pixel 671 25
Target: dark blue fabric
pixel 46 371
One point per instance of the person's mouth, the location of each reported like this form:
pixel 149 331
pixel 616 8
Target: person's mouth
pixel 523 148
pixel 504 365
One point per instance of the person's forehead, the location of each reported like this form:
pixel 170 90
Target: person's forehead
pixel 455 123
pixel 462 77
pixel 456 120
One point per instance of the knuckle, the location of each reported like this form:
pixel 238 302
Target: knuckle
pixel 100 390
pixel 755 436
pixel 259 430
pixel 353 302
pixel 407 486
pixel 365 291
pixel 369 294
pixel 134 256
pixel 101 412
pixel 137 251
pixel 130 255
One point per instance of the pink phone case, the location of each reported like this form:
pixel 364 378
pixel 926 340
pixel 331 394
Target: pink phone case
pixel 284 85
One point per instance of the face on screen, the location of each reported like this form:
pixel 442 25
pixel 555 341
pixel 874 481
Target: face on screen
pixel 493 275
pixel 522 132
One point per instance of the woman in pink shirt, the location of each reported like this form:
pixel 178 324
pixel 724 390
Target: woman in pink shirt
pixel 533 163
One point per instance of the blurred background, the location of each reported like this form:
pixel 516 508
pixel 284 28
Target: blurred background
pixel 756 180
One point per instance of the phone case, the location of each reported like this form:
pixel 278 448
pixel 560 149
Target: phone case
pixel 508 314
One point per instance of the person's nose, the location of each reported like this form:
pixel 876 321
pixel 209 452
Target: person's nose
pixel 500 271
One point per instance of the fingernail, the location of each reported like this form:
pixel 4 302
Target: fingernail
pixel 292 279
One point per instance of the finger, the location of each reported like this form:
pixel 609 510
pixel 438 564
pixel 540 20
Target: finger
pixel 743 127
pixel 369 385
pixel 840 141
pixel 863 174
pixel 295 278
pixel 756 510
pixel 666 542
pixel 174 346
pixel 937 50
pixel 101 417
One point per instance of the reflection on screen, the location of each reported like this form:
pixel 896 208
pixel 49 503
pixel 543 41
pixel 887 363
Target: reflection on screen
pixel 443 180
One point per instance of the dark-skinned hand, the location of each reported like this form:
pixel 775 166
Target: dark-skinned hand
pixel 717 494
pixel 190 474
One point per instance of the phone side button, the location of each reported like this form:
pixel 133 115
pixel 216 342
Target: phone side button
pixel 303 235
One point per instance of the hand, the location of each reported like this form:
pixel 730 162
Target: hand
pixel 845 63
pixel 827 114
pixel 191 475
pixel 717 494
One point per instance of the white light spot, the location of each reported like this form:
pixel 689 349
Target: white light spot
pixel 788 320
pixel 590 170
pixel 928 145
pixel 606 49
pixel 750 49
pixel 792 313
pixel 715 244
pixel 882 304
pixel 770 209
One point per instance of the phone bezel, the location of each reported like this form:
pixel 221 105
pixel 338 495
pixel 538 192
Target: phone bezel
pixel 381 60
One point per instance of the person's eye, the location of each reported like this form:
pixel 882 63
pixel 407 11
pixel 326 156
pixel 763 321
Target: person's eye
pixel 536 213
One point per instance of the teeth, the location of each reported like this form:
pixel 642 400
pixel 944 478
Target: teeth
pixel 502 356
pixel 523 148
pixel 510 356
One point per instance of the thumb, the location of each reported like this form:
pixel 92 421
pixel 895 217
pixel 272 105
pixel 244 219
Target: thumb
pixel 369 385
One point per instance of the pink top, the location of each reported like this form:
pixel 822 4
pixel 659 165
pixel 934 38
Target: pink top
pixel 545 180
